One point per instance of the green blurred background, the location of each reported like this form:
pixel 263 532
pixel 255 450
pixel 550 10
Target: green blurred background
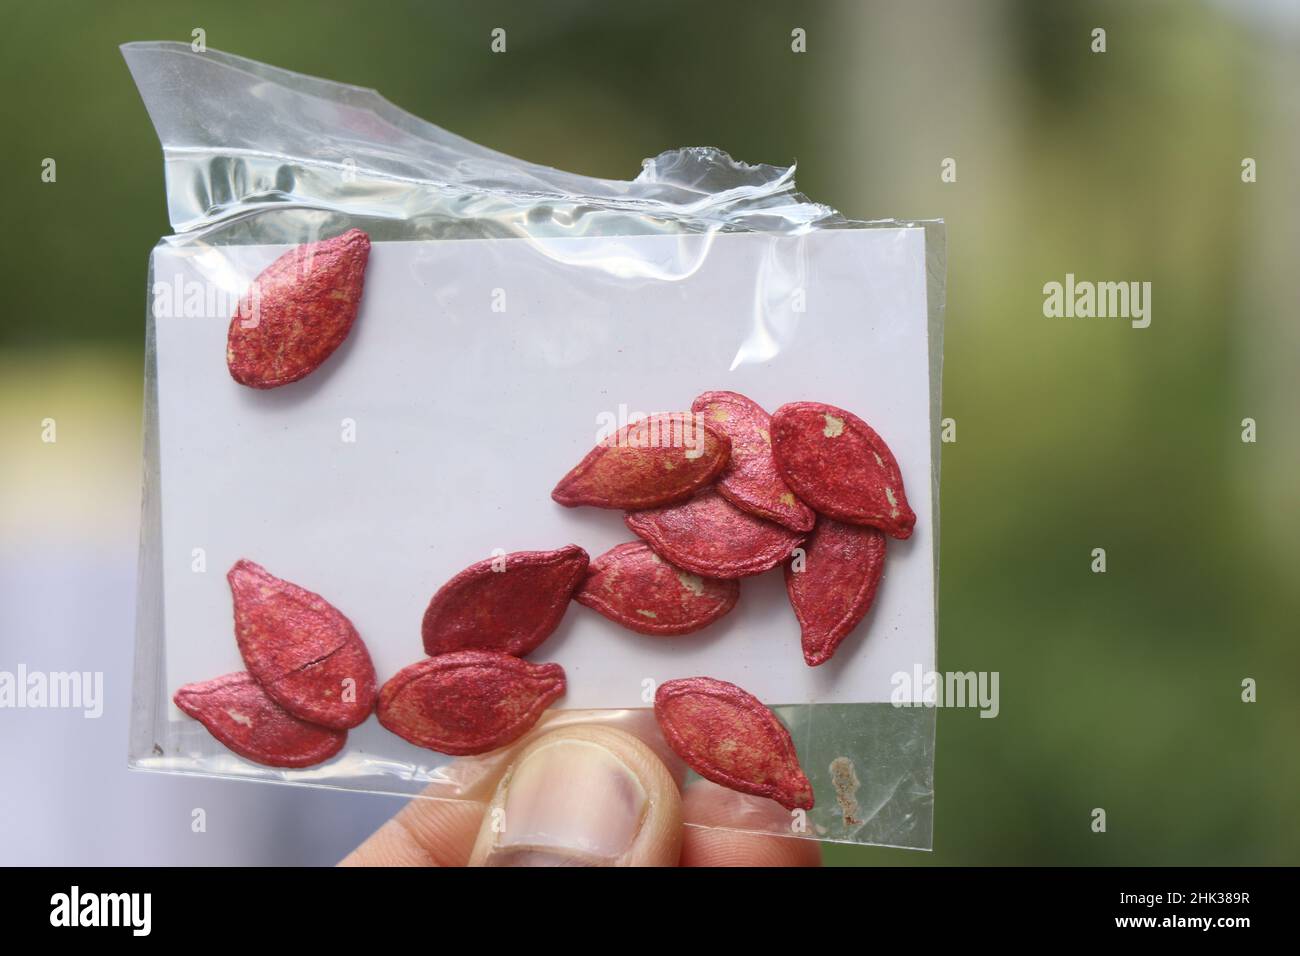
pixel 1119 690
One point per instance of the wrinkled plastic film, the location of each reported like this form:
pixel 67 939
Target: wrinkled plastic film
pixel 256 156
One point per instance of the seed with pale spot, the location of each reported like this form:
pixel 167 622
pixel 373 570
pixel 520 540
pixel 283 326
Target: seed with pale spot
pixel 238 712
pixel 751 481
pixel 838 465
pixel 654 461
pixel 633 586
pixel 710 536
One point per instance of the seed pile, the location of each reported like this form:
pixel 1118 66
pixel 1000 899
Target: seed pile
pixel 716 494
pixel 812 488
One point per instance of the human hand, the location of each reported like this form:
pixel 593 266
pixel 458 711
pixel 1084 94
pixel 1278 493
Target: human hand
pixel 585 795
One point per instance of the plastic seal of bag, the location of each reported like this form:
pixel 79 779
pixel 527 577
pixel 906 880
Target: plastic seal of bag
pixel 504 302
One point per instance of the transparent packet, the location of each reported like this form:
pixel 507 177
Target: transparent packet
pixel 257 156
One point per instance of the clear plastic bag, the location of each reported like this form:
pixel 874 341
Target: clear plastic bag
pixel 506 305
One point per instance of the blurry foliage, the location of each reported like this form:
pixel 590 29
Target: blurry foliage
pixel 1118 690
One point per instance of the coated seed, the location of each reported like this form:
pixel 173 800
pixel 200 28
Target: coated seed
pixel 633 586
pixel 298 311
pixel 468 702
pixel 836 463
pixel 301 649
pixel 751 481
pixel 834 591
pixel 238 712
pixel 651 462
pixel 509 604
pixel 726 735
pixel 712 537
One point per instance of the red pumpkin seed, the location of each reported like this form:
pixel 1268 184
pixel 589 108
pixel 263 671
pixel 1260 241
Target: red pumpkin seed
pixel 651 462
pixel 836 463
pixel 301 649
pixel 726 735
pixel 468 702
pixel 238 712
pixel 510 603
pixel 834 591
pixel 750 481
pixel 712 537
pixel 297 311
pixel 633 586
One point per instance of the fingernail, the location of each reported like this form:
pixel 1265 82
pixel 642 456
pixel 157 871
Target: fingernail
pixel 570 803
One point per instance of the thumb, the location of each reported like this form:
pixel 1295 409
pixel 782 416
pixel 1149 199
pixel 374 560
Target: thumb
pixel 582 796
